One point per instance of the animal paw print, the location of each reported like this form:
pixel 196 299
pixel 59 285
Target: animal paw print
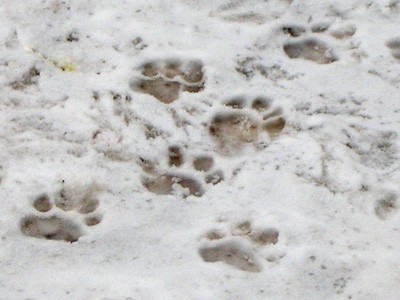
pixel 166 79
pixel 65 218
pixel 242 121
pixel 309 47
pixel 394 46
pixel 200 171
pixel 387 205
pixel 238 246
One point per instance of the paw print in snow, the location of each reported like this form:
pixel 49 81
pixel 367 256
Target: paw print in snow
pixel 309 47
pixel 64 219
pixel 238 247
pixel 165 80
pixel 386 206
pixel 200 171
pixel 242 121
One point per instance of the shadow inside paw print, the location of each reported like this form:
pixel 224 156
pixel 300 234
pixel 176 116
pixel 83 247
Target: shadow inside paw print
pixel 242 122
pixel 394 46
pixel 51 228
pixel 166 79
pixel 238 248
pixel 200 168
pixel 232 253
pixel 54 221
pixel 31 77
pixel 310 49
pixel 387 205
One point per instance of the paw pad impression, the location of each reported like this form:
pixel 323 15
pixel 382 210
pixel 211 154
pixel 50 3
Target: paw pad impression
pixel 189 182
pixel 309 46
pixel 166 79
pixel 238 247
pixel 242 121
pixel 65 218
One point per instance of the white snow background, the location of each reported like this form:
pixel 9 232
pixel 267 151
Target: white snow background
pixel 307 212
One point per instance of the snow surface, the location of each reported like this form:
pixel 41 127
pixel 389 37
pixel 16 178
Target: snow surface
pixel 100 196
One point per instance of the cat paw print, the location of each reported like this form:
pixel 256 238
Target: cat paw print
pixel 66 218
pixel 183 174
pixel 165 80
pixel 394 47
pixel 239 246
pixel 303 44
pixel 241 122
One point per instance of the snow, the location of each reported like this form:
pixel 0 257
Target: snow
pixel 290 108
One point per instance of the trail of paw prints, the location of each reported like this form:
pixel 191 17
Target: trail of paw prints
pixel 387 205
pixel 239 246
pixel 394 47
pixel 308 46
pixel 165 80
pixel 65 218
pixel 242 121
pixel 199 171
